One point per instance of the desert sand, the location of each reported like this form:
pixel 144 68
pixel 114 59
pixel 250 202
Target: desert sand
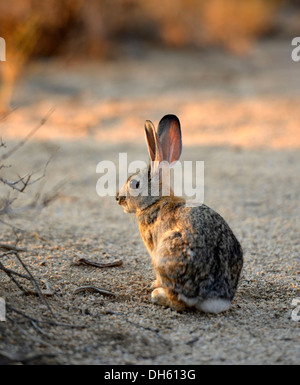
pixel 240 115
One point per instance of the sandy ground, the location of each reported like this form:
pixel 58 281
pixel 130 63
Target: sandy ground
pixel 239 115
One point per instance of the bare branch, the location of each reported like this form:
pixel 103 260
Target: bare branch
pixel 12 226
pixel 4 116
pixel 14 185
pixel 25 180
pixel 31 133
pixel 10 275
pixel 35 284
pixel 9 271
pixel 99 290
pixel 11 247
pixel 6 209
pixel 49 322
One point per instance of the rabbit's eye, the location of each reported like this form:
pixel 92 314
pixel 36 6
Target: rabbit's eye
pixel 135 184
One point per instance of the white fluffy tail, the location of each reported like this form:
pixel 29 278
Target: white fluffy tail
pixel 213 305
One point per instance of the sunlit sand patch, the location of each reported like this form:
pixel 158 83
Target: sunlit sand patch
pixel 257 123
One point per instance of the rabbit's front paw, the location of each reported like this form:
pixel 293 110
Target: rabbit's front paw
pixel 155 284
pixel 158 296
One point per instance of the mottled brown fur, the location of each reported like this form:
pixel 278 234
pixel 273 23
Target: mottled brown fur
pixel 196 257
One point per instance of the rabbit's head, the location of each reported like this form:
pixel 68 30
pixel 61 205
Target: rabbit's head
pixel 147 186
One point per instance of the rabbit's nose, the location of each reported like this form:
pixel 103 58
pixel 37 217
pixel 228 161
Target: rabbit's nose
pixel 120 199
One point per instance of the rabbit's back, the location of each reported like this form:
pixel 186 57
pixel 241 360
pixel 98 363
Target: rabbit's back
pixel 197 254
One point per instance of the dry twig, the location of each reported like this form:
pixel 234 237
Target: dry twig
pixel 95 290
pixel 31 133
pixel 35 284
pixel 39 321
pixel 11 247
pixel 81 261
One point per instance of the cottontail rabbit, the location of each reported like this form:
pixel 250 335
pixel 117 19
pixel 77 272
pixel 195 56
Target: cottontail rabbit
pixel 196 257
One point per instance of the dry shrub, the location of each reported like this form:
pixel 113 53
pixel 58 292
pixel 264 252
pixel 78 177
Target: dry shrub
pixel 234 24
pixel 30 28
pixel 97 25
pixel 20 46
pixel 100 27
pixel 230 24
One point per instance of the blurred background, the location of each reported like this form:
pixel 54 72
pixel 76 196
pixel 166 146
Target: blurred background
pixel 102 67
pixel 224 66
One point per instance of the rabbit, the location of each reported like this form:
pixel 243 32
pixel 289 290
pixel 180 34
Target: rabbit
pixel 196 257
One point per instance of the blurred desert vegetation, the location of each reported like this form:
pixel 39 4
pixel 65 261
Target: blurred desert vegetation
pixel 108 28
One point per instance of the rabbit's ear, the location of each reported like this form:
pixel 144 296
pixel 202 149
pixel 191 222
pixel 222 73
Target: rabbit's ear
pixel 150 138
pixel 153 143
pixel 169 135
